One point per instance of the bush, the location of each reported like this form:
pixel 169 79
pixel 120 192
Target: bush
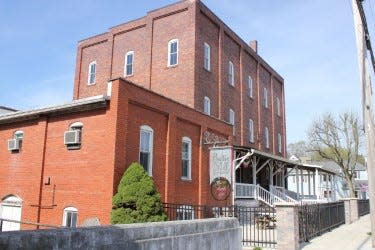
pixel 137 199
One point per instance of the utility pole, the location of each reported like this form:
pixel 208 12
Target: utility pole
pixel 363 45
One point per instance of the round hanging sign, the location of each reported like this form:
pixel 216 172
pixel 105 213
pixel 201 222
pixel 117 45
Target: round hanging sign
pixel 220 188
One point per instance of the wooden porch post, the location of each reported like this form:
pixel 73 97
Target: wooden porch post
pixel 302 182
pixel 309 181
pixel 317 184
pixel 297 182
pixel 270 165
pixel 254 165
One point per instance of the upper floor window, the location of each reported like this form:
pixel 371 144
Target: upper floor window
pixel 70 217
pixel 207 106
pixel 146 147
pixel 231 73
pixel 250 86
pixel 279 143
pixel 73 137
pixel 251 130
pixel 15 144
pixel 173 52
pixel 265 97
pixel 232 119
pixel 266 138
pixel 207 56
pixel 92 73
pixel 186 158
pixel 278 110
pixel 129 58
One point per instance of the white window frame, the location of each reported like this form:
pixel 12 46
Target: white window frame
pixel 279 142
pixel 231 73
pixel 250 86
pixel 251 131
pixel 127 63
pixel 207 105
pixel 207 57
pixel 72 210
pixel 147 129
pixel 19 134
pixel 186 211
pixel 278 108
pixel 266 138
pixel 170 53
pixel 265 97
pixel 188 141
pixel 92 73
pixel 232 119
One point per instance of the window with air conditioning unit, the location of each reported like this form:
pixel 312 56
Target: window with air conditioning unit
pixel 15 144
pixel 72 137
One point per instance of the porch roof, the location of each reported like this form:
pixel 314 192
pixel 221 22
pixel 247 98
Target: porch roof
pixel 288 163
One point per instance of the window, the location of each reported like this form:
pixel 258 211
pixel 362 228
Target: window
pixel 232 119
pixel 173 52
pixel 129 58
pixel 18 135
pixel 73 140
pixel 145 148
pixel 70 217
pixel 207 106
pixel 231 73
pixel 92 73
pixel 265 97
pixel 278 111
pixel 266 138
pixel 250 86
pixel 185 212
pixel 186 158
pixel 279 146
pixel 251 130
pixel 207 57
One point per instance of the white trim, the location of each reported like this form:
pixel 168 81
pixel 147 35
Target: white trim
pixel 147 129
pixel 18 135
pixel 231 73
pixel 76 125
pixel 189 142
pixel 266 138
pixel 169 52
pixel 279 144
pixel 232 119
pixel 207 57
pixel 126 63
pixel 185 210
pixel 90 73
pixel 207 105
pixel 250 86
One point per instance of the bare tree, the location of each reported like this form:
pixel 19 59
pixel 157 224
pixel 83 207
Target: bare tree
pixel 338 139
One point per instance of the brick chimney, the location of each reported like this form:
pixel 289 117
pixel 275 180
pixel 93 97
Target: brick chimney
pixel 254 45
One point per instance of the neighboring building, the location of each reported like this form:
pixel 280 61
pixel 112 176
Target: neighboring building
pixel 161 90
pixel 5 110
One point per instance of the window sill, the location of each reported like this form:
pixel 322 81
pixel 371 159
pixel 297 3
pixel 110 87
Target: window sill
pixel 126 76
pixel 186 179
pixel 90 84
pixel 207 70
pixel 172 66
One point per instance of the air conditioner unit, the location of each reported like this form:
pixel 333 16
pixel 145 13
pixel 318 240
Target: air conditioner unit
pixel 72 137
pixel 13 144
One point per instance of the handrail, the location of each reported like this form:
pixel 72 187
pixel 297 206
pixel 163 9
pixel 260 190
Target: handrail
pixel 282 194
pixel 267 197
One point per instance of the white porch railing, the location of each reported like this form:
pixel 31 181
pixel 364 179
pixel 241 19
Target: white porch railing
pixel 258 193
pixel 281 192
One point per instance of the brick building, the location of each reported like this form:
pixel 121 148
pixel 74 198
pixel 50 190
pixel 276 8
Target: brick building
pixel 143 91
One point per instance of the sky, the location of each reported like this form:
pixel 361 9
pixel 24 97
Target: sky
pixel 310 43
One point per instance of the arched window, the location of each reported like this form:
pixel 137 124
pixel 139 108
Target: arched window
pixel 250 86
pixel 11 209
pixel 207 57
pixel 15 144
pixel 207 106
pixel 92 73
pixel 129 58
pixel 251 130
pixel 266 138
pixel 18 135
pixel 231 73
pixel 232 119
pixel 265 97
pixel 185 212
pixel 146 148
pixel 173 52
pixel 70 217
pixel 73 137
pixel 278 108
pixel 279 142
pixel 186 158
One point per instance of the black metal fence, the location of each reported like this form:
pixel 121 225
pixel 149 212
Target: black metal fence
pixel 315 219
pixel 363 207
pixel 258 223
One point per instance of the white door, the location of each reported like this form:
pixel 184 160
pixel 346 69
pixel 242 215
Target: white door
pixel 11 209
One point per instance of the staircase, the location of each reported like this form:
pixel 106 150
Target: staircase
pixel 260 194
